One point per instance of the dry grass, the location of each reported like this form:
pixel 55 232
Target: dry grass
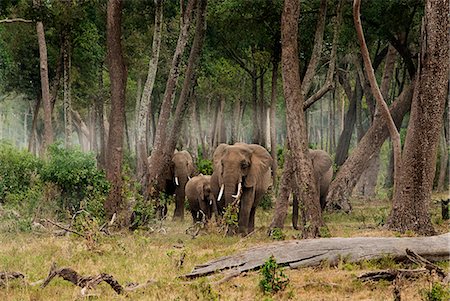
pixel 139 256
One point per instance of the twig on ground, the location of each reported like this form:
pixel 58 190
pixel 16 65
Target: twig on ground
pixel 181 260
pixel 416 258
pixel 7 276
pixel 63 227
pixel 392 274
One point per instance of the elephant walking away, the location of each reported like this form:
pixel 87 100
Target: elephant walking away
pixel 241 172
pixel 200 198
pixel 323 173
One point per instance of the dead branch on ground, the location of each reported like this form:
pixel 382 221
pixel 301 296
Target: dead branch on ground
pixel 5 277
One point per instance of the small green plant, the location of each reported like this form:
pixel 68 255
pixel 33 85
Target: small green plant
pixel 277 234
pixel 437 292
pixel 266 201
pixel 231 215
pixel 273 279
pixel 380 217
pixel 324 232
pixel 205 291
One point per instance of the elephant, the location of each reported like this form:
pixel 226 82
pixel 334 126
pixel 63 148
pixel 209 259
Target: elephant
pixel 323 173
pixel 241 171
pixel 180 170
pixel 200 197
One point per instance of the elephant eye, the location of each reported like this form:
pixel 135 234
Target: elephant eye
pixel 245 164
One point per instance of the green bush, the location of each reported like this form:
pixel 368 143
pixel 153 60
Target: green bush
pixel 19 169
pixel 266 202
pixel 438 292
pixel 273 278
pixel 75 173
pixel 205 166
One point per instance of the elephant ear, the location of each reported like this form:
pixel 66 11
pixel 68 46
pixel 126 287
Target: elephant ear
pixel 261 161
pixel 321 161
pixel 190 162
pixel 201 194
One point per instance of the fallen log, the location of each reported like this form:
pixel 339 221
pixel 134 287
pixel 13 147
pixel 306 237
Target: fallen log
pixel 312 252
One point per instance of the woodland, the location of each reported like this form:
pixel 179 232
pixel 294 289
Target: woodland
pixel 336 113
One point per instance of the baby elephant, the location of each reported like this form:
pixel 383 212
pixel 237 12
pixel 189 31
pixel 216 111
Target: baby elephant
pixel 200 198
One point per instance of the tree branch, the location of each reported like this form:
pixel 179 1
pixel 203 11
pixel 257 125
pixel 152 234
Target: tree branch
pixel 16 20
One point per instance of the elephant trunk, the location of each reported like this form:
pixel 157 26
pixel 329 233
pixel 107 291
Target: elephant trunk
pixel 232 190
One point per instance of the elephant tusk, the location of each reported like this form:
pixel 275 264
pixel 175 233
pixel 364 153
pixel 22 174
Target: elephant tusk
pixel 210 202
pixel 189 177
pixel 220 192
pixel 238 192
pixel 176 181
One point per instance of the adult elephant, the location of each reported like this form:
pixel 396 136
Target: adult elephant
pixel 323 174
pixel 175 177
pixel 241 171
pixel 200 198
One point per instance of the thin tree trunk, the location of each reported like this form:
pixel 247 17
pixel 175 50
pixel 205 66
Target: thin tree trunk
pixel 304 185
pixel 118 78
pixel 31 142
pixel 99 108
pixel 381 104
pixel 273 131
pixel 349 120
pixel 262 112
pixel 48 129
pixel 158 158
pixel 145 101
pixel 67 92
pixel 412 196
pixel 236 121
pixel 282 201
pixel 443 163
pixel 256 122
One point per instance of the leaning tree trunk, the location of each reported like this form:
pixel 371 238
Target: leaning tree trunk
pixel 118 78
pixel 158 159
pixel 410 209
pixel 304 185
pixel 144 103
pixel 48 129
pixel 186 94
pixel 349 173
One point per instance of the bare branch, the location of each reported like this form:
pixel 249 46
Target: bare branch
pixel 16 20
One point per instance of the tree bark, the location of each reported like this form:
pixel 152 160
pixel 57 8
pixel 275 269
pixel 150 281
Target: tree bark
pixel 118 78
pixel 67 93
pixel 48 129
pixel 410 209
pixel 349 119
pixel 32 147
pixel 313 252
pixel 304 185
pixel 145 103
pixel 273 132
pixel 99 110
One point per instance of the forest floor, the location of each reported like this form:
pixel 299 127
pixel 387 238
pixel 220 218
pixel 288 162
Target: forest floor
pixel 140 256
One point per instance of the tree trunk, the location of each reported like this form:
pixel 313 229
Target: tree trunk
pixel 262 112
pixel 145 103
pixel 48 129
pixel 158 158
pixel 99 109
pixel 256 122
pixel 443 163
pixel 236 120
pixel 314 252
pixel 381 104
pixel 67 93
pixel 410 209
pixel 349 120
pixel 273 131
pixel 349 173
pixel 304 185
pixel 187 91
pixel 368 180
pixel 118 78
pixel 32 147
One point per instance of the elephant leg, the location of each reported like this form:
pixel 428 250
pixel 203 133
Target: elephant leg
pixel 251 221
pixel 247 201
pixel 295 212
pixel 179 204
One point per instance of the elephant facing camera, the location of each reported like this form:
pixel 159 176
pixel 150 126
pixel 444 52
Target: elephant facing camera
pixel 200 198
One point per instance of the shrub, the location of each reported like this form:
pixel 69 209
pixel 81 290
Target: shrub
pixel 277 234
pixel 273 279
pixel 18 170
pixel 204 166
pixel 266 201
pixel 438 292
pixel 75 173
